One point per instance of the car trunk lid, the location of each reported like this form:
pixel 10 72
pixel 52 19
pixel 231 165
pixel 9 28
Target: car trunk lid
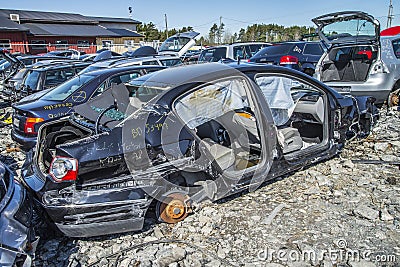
pixel 178 44
pixel 347 27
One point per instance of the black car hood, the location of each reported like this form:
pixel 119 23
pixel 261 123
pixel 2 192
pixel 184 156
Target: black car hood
pixel 355 35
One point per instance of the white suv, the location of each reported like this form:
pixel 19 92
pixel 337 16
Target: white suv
pixel 358 61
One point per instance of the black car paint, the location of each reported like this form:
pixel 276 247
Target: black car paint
pixel 306 61
pixel 81 208
pixel 53 109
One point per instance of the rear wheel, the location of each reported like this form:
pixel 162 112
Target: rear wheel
pixel 173 207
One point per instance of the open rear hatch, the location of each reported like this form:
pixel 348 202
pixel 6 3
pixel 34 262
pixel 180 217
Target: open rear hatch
pixel 178 44
pixel 347 27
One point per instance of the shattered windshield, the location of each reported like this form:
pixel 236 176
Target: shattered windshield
pixel 66 89
pixel 348 28
pixel 174 44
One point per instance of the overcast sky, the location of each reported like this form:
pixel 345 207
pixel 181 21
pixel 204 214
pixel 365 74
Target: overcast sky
pixel 202 14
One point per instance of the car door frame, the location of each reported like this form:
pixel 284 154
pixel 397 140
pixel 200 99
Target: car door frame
pixel 253 176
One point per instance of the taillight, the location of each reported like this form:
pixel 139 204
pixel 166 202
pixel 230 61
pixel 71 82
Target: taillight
pixel 29 127
pixel 64 169
pixel 289 60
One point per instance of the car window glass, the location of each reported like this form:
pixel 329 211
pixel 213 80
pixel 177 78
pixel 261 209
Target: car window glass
pixel 274 50
pixel 239 51
pixel 149 63
pixel 211 102
pixel 170 62
pixel 32 79
pixel 298 48
pixel 396 47
pixel 213 54
pixel 313 49
pixel 55 77
pixel 124 78
pixel 64 90
pixel 99 90
pixel 254 48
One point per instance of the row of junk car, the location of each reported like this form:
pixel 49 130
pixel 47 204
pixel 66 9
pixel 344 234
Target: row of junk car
pixel 113 139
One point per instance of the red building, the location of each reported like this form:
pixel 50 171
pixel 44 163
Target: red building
pixel 36 32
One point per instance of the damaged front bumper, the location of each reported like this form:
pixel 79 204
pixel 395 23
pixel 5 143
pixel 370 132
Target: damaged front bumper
pixel 111 206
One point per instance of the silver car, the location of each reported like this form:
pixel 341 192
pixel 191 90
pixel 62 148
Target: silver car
pixel 357 60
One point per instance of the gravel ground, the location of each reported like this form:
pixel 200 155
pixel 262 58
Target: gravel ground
pixel 335 213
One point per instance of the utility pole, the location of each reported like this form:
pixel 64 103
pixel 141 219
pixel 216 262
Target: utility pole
pixel 166 24
pixel 390 15
pixel 220 30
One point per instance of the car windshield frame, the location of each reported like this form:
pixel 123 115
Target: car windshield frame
pixel 63 88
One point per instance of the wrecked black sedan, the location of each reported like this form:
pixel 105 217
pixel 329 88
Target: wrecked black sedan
pixel 17 238
pixel 181 136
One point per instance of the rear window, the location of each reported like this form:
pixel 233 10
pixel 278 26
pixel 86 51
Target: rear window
pixel 66 89
pixel 56 77
pixel 150 63
pixel 89 69
pixel 275 49
pixel 213 54
pixel 170 62
pixel 313 49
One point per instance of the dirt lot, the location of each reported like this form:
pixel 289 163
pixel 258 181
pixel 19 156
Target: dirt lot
pixel 336 213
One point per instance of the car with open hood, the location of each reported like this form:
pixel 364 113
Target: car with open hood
pixel 17 238
pixel 358 61
pixel 32 111
pixel 183 135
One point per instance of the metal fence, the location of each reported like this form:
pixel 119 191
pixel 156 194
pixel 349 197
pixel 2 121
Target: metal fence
pixel 89 48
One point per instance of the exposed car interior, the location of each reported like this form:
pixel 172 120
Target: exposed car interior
pixel 298 111
pixel 350 63
pixel 222 117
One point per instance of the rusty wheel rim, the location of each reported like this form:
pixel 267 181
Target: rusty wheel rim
pixel 173 209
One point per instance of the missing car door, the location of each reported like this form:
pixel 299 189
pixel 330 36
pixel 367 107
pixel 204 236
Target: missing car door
pixel 299 111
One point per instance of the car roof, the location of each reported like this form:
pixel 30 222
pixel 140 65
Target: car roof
pixel 204 72
pixel 236 44
pixel 122 69
pixel 56 64
pixel 126 60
